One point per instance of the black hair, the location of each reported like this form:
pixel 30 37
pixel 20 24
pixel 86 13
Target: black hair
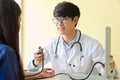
pixel 66 9
pixel 9 28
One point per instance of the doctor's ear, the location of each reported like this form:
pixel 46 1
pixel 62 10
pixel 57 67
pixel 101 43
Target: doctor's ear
pixel 75 19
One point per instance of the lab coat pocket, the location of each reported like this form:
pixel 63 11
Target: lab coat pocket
pixel 76 68
pixel 79 66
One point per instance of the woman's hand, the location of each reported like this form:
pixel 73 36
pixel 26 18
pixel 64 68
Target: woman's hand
pixel 47 72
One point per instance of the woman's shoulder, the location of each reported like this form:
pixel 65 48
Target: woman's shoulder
pixel 5 49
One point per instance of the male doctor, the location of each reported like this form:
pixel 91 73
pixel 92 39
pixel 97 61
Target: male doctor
pixel 72 51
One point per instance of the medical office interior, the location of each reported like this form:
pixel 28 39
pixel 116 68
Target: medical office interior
pixel 37 26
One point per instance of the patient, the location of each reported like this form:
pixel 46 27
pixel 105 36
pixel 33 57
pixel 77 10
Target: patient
pixel 10 61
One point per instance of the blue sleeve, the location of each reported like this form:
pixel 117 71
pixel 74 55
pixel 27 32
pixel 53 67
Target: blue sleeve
pixel 8 64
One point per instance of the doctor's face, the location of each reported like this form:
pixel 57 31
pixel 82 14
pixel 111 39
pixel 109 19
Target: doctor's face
pixel 65 25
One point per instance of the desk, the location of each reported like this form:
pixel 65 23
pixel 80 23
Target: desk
pixel 76 76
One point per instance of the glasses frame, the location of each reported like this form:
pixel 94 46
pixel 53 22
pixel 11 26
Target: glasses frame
pixel 56 20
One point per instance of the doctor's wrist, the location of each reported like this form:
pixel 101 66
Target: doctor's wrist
pixel 34 63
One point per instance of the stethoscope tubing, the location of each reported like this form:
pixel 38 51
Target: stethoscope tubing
pixel 72 44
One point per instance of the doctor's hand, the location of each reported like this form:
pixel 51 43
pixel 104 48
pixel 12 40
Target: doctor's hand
pixel 38 57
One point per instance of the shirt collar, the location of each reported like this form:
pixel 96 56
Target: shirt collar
pixel 77 35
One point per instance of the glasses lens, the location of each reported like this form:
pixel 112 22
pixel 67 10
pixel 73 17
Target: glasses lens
pixel 55 20
pixel 62 20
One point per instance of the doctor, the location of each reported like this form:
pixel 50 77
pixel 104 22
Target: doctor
pixel 72 51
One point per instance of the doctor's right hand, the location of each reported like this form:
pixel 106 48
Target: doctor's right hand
pixel 38 57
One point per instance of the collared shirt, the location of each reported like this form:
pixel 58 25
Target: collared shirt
pixel 68 46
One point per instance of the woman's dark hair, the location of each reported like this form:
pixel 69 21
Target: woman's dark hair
pixel 9 28
pixel 66 9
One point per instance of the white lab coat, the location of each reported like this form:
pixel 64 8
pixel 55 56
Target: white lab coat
pixel 76 61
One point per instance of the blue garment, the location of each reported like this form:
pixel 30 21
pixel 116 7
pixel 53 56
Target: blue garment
pixel 9 69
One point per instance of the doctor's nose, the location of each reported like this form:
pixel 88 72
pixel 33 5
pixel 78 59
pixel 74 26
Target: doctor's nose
pixel 60 24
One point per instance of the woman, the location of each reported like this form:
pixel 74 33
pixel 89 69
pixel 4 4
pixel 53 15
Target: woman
pixel 10 63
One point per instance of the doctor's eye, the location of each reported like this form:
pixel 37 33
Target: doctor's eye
pixel 60 19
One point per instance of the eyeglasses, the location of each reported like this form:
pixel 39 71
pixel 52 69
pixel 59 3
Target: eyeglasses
pixel 61 19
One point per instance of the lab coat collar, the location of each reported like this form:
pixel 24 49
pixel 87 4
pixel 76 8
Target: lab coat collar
pixel 77 35
pixel 73 51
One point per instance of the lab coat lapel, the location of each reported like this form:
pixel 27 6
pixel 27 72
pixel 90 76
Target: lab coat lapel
pixel 75 50
pixel 61 51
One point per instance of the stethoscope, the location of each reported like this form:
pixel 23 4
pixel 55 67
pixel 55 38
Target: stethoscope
pixel 77 42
